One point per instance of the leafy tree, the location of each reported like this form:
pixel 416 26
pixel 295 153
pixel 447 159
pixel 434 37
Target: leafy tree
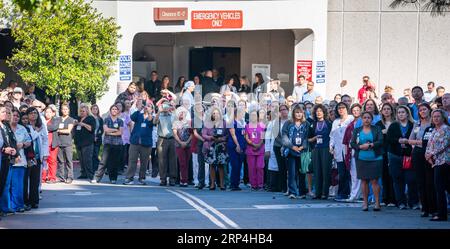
pixel 2 76
pixel 39 5
pixel 67 52
pixel 437 7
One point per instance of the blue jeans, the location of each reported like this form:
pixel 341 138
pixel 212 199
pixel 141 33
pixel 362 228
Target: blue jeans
pixel 296 180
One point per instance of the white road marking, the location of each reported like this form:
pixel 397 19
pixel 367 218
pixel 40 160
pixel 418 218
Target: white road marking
pixel 320 205
pixel 212 209
pixel 93 210
pixel 84 193
pixel 200 209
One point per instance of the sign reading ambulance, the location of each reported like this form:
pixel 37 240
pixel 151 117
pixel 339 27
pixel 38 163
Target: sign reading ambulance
pixel 217 19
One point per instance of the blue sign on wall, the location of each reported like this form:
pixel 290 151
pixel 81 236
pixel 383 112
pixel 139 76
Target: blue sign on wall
pixel 125 67
pixel 320 72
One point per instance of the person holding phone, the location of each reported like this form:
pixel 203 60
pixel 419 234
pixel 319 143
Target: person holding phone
pixel 140 141
pixel 367 141
pixel 112 146
pixel 167 162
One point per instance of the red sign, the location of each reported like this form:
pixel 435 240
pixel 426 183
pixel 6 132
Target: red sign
pixel 170 14
pixel 304 67
pixel 217 19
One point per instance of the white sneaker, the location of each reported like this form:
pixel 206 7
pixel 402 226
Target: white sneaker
pixel 286 194
pixel 292 196
pixel 128 182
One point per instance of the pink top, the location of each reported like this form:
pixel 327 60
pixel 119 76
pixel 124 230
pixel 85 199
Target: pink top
pixel 255 134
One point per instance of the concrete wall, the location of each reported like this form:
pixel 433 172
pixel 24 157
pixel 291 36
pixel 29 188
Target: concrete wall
pixel 398 47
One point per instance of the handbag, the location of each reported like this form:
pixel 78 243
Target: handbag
pixel 406 162
pixel 305 159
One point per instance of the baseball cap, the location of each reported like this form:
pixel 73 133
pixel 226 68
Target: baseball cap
pixel 18 90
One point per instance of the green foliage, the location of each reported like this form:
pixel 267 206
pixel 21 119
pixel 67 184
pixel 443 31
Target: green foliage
pixel 2 76
pixel 68 52
pixel 37 6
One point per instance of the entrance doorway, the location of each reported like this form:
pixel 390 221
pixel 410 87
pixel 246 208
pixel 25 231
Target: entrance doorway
pixel 226 60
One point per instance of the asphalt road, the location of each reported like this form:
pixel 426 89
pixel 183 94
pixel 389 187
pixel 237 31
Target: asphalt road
pixel 85 205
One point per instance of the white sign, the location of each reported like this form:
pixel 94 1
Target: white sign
pixel 320 72
pixel 283 77
pixel 125 67
pixel 263 69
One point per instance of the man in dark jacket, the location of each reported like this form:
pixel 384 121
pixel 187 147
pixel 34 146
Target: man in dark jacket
pixel 208 85
pixel 153 84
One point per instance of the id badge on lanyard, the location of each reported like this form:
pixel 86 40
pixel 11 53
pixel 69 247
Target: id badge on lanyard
pixel 78 127
pixel 219 132
pixel 61 126
pixel 143 125
pixel 320 140
pixel 298 140
pixel 116 125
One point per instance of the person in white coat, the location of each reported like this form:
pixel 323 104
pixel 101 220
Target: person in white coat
pixel 273 172
pixel 337 148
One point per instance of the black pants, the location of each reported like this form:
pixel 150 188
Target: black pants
pixel 95 159
pixel 282 169
pixel 344 181
pixel 388 185
pixel 321 159
pixel 4 170
pixel 155 167
pixel 124 158
pixel 442 184
pixel 32 181
pixel 190 172
pixel 401 178
pixel 65 163
pixel 245 178
pixel 425 180
pixel 85 156
pixel 111 160
pixel 274 183
pixel 201 165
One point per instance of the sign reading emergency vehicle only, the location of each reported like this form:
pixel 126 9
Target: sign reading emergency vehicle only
pixel 217 19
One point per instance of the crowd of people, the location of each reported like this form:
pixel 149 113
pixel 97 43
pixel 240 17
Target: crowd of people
pixel 230 133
